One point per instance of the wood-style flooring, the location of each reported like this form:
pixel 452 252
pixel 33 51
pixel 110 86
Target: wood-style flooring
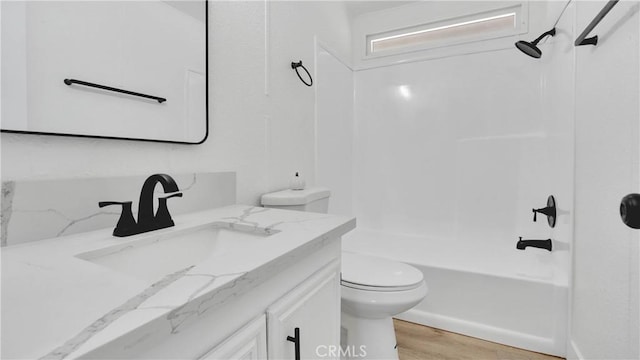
pixel 417 342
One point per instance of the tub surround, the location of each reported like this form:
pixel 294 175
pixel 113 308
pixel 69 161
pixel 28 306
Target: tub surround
pixel 504 295
pixel 68 206
pixel 56 305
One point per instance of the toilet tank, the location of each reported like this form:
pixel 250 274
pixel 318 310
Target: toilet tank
pixel 314 199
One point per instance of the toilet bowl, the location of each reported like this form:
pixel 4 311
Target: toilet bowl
pixel 373 289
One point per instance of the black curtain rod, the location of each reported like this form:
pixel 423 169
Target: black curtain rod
pixel 582 40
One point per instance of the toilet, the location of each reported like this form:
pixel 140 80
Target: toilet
pixel 373 289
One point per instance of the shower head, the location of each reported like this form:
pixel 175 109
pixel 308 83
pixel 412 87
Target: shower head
pixel 531 48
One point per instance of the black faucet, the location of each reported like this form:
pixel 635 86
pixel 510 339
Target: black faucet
pixel 542 244
pixel 147 219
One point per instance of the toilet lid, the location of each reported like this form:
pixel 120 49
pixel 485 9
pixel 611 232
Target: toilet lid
pixel 295 197
pixel 373 273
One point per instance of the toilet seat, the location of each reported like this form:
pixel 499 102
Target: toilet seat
pixel 370 273
pixel 378 288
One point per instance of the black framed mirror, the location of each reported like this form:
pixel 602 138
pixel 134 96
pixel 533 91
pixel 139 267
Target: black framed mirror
pixel 130 70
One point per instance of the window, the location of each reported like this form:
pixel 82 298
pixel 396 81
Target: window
pixel 497 23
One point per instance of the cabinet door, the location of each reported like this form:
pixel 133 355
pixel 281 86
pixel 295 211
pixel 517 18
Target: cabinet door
pixel 314 309
pixel 249 343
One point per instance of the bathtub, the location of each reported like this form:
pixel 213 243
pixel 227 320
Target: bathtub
pixel 505 295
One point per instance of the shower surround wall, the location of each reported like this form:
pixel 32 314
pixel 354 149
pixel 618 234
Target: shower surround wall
pixel 451 155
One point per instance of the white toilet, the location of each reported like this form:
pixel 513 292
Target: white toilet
pixel 373 289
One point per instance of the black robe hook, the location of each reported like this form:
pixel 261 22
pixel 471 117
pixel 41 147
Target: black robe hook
pixel 295 66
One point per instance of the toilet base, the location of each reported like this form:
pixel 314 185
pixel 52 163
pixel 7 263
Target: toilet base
pixel 368 338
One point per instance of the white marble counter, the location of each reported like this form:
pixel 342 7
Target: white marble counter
pixel 57 306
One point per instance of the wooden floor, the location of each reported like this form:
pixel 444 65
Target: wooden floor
pixel 417 342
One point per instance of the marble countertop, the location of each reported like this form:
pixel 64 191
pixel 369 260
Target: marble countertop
pixel 56 305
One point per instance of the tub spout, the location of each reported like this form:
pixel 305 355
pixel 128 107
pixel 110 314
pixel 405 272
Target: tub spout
pixel 542 244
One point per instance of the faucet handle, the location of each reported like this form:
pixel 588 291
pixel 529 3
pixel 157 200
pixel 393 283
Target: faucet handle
pixel 126 224
pixel 549 211
pixel 163 218
pixel 175 194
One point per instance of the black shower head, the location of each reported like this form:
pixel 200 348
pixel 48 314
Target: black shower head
pixel 531 48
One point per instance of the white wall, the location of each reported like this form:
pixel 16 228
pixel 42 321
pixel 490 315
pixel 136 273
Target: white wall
pixel 334 130
pixel 265 139
pixel 16 93
pixel 292 106
pixel 605 304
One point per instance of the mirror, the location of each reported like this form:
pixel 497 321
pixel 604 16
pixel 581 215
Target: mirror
pixel 133 70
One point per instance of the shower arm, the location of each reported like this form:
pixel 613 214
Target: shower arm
pixel 551 32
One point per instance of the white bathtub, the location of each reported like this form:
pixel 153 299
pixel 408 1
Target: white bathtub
pixel 505 295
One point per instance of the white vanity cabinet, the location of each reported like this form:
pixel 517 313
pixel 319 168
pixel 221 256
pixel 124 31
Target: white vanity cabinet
pixel 264 273
pixel 313 307
pixel 249 343
pixel 253 316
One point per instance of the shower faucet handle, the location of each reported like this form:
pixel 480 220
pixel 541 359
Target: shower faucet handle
pixel 549 211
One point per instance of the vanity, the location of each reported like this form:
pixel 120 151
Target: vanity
pixel 223 283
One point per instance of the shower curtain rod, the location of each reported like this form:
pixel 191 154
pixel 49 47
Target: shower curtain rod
pixel 594 40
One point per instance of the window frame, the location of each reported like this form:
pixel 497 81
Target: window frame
pixel 520 11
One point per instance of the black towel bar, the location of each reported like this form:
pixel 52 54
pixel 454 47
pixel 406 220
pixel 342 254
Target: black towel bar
pixel 109 88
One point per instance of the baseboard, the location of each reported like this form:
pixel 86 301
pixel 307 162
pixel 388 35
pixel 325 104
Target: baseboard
pixel 520 340
pixel 573 352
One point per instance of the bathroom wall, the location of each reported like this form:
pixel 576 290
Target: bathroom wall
pixel 261 116
pixel 605 321
pixel 334 130
pixel 460 148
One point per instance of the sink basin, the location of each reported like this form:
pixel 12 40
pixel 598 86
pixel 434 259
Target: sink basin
pixel 156 255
